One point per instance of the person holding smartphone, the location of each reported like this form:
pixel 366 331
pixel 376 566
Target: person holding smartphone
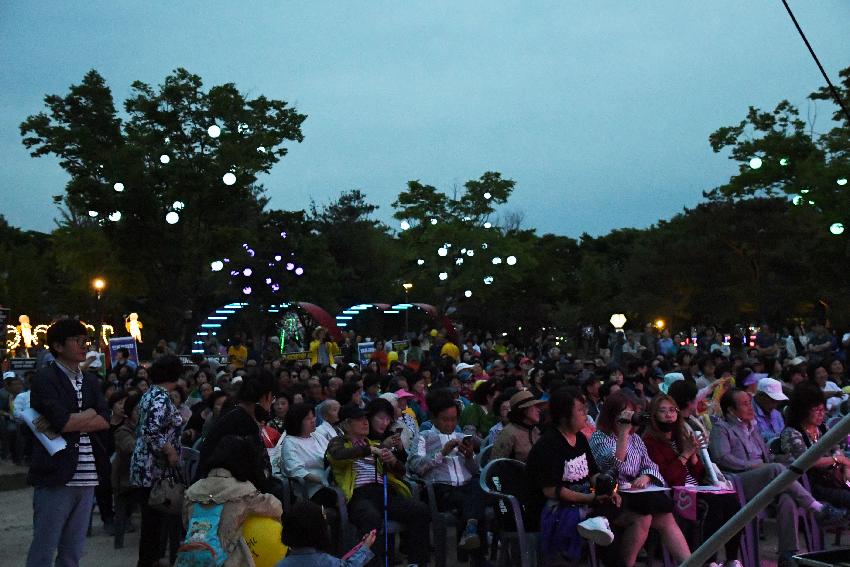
pixel 446 457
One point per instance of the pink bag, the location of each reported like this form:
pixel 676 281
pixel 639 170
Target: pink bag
pixel 685 498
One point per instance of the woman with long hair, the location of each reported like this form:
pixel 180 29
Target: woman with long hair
pixel 618 449
pixel 674 448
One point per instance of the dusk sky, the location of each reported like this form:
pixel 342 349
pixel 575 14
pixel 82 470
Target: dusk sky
pixel 600 111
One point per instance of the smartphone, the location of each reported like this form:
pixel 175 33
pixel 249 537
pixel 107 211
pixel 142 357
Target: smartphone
pixel 354 549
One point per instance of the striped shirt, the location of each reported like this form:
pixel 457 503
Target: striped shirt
pixel 365 473
pixel 86 473
pixel 637 461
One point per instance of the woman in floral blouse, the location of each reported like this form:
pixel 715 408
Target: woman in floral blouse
pixel 157 449
pixel 804 426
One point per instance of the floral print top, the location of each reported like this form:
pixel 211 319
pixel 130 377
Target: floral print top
pixel 159 424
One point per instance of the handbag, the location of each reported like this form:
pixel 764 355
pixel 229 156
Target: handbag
pixel 167 492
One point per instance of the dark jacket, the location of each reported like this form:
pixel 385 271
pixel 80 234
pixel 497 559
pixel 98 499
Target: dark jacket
pixel 53 396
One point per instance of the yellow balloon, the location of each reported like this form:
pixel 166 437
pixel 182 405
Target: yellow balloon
pixel 262 534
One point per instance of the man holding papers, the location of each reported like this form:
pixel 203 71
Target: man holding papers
pixel 70 404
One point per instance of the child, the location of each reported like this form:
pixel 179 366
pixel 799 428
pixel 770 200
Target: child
pixel 215 507
pixel 305 532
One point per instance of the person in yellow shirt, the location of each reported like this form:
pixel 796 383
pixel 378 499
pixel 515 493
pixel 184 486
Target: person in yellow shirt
pixel 322 348
pixel 237 352
pixel 451 350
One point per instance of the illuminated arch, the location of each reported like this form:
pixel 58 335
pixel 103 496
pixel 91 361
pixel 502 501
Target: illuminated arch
pixel 347 317
pixel 219 317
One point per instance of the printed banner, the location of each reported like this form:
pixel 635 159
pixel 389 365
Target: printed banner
pixel 123 342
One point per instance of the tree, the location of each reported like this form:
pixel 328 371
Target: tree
pixel 177 150
pixel 363 255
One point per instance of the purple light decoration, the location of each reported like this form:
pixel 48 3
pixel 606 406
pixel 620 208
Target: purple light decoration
pixel 245 245
pixel 283 234
pixel 275 287
pixel 251 252
pixel 226 260
pixel 247 272
pixel 246 290
pixel 268 280
pixel 271 264
pixel 290 266
pixel 277 257
pixel 234 272
pixel 299 271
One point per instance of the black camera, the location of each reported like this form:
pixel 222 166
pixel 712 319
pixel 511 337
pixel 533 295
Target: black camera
pixel 605 484
pixel 637 419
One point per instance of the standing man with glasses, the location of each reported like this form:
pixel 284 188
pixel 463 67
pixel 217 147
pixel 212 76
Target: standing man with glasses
pixel 70 405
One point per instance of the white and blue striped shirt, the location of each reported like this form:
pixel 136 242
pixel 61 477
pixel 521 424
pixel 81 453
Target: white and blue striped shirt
pixel 86 472
pixel 637 461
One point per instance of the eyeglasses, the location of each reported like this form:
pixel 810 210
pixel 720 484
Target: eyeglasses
pixel 668 411
pixel 81 341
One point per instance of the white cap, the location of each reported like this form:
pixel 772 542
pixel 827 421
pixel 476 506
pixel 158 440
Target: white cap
pixel 773 388
pixel 9 374
pixel 462 366
pixel 96 355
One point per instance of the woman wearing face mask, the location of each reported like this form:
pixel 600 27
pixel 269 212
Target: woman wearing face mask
pixel 674 448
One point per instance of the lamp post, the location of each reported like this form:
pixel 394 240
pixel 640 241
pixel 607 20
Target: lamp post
pixel 618 320
pixel 98 284
pixel 407 287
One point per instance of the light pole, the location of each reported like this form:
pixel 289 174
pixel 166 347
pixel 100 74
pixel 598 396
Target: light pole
pixel 407 287
pixel 99 284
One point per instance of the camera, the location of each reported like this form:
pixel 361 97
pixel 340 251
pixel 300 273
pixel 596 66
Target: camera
pixel 637 419
pixel 605 484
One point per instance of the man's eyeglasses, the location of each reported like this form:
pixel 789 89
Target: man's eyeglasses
pixel 81 341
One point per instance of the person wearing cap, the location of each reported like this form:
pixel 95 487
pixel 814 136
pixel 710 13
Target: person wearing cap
pixel 12 388
pixel 769 396
pixel 359 466
pixel 829 474
pixel 451 350
pixel 517 438
pixel 736 446
pixel 72 405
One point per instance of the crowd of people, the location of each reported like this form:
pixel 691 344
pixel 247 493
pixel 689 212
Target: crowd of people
pixel 606 441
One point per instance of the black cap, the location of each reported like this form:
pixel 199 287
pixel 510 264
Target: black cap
pixel 351 411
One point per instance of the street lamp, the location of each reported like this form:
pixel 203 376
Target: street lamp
pixel 407 287
pixel 618 320
pixel 659 324
pixel 99 284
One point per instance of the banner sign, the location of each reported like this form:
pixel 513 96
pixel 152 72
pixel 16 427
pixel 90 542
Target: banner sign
pixel 300 355
pixel 212 359
pixel 21 365
pixel 123 342
pixel 399 346
pixel 364 351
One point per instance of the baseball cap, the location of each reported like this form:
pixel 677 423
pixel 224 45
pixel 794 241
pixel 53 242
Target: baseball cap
pixel 773 388
pixel 402 394
pixel 796 361
pixel 462 366
pixel 9 374
pixel 753 377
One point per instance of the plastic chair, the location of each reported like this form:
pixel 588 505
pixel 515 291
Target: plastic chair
pixel 484 456
pixel 811 528
pixel 525 541
pixel 749 539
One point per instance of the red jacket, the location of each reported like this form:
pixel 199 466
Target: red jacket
pixel 669 464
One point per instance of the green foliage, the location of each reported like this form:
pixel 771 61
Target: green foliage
pixel 166 266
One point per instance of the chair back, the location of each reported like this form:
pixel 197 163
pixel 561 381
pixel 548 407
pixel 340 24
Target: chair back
pixel 484 455
pixel 189 461
pixel 503 478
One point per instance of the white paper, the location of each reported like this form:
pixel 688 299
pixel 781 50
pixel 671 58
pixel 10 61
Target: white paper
pixel 650 488
pixel 53 446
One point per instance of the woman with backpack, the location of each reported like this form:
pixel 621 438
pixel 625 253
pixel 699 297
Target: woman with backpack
pixel 215 507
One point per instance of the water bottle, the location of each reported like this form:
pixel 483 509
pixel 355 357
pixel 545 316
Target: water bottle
pixel 706 460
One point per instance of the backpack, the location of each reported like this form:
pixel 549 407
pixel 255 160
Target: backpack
pixel 202 547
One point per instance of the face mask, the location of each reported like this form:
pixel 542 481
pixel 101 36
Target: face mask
pixel 666 427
